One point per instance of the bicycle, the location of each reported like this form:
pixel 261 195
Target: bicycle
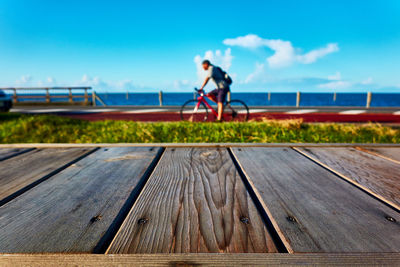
pixel 197 110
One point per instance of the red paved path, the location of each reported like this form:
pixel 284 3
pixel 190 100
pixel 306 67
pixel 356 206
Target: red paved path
pixel 309 117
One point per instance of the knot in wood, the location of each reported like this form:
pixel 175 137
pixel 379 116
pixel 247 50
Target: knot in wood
pixel 142 221
pixel 210 154
pixel 390 218
pixel 291 219
pixel 245 220
pixel 95 218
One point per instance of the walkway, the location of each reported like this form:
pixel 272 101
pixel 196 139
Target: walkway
pixel 206 198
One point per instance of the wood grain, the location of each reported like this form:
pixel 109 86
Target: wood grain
pixel 312 209
pixel 194 201
pixel 22 172
pixel 223 259
pixel 391 153
pixel 6 153
pixel 76 209
pixel 378 175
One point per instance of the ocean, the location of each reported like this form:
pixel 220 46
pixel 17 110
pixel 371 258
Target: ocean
pixel 259 99
pixel 251 99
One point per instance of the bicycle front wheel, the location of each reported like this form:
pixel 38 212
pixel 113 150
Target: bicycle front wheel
pixel 189 112
pixel 236 110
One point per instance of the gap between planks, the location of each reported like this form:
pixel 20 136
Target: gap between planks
pixel 41 179
pixel 280 242
pixel 351 181
pixel 88 201
pixel 316 211
pixel 106 240
pixel 269 217
pixel 366 150
pixel 12 154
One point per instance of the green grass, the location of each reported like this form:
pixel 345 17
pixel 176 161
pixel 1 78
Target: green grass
pixel 17 128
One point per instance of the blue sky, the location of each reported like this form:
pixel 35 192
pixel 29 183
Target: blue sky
pixel 156 45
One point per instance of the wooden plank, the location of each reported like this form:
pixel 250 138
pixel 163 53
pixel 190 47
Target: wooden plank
pixel 21 173
pixel 223 259
pixel 6 153
pixel 61 145
pixel 79 208
pixel 374 174
pixel 194 201
pixel 390 153
pixel 312 209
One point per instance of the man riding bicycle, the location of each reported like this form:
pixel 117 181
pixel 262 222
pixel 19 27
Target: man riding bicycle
pixel 222 80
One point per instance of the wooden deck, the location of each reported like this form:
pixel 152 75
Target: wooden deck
pixel 217 204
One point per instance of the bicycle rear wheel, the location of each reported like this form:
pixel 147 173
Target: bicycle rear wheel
pixel 189 112
pixel 236 110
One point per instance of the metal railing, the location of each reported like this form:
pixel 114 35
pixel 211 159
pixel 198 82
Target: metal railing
pixel 298 98
pixel 48 96
pixel 92 98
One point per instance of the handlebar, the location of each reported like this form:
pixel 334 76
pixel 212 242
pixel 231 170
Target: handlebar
pixel 200 92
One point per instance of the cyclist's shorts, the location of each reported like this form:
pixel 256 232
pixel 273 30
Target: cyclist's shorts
pixel 220 94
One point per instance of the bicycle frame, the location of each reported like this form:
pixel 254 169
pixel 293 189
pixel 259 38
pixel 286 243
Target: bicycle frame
pixel 230 113
pixel 201 99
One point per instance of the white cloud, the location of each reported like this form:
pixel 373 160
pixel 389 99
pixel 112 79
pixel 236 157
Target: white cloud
pixel 51 80
pixel 248 41
pixel 24 80
pixel 99 84
pixel 336 85
pixel 284 52
pixel 336 77
pixel 314 55
pixel 256 75
pixel 89 81
pixel 284 55
pixel 369 80
pixel 86 78
pixel 224 60
pixel 118 86
pixel 182 85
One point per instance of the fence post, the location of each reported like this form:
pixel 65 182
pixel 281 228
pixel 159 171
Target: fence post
pixel 160 98
pixel 127 95
pixel 86 97
pixel 229 96
pixel 369 98
pixel 269 96
pixel 15 96
pixel 71 100
pixel 47 95
pixel 298 99
pixel 93 98
pixel 334 97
